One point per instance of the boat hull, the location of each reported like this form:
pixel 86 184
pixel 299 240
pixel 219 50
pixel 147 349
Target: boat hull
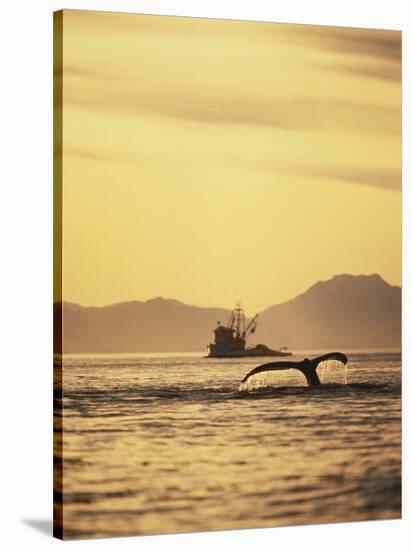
pixel 249 353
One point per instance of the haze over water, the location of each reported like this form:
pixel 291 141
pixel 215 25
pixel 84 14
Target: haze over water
pixel 166 443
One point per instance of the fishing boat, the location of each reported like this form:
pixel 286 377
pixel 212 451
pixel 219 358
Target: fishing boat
pixel 230 340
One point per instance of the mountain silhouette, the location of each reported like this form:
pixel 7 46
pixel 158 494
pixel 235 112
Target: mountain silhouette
pixel 347 311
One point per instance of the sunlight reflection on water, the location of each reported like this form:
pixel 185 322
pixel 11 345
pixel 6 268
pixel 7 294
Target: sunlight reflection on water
pixel 157 444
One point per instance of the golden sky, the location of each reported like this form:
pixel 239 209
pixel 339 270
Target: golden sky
pixel 207 160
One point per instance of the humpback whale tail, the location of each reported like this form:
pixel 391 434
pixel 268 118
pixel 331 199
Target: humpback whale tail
pixel 307 367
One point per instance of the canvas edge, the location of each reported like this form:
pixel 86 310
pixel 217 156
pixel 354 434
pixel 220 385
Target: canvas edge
pixel 57 273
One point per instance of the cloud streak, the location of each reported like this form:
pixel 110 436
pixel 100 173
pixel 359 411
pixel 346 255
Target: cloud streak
pixel 217 107
pixel 382 44
pixel 380 178
pixel 85 154
pixel 384 179
pixel 314 86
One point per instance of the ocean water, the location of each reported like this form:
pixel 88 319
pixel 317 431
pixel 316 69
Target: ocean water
pixel 167 443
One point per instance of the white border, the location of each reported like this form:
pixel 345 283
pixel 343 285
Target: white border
pixel 26 267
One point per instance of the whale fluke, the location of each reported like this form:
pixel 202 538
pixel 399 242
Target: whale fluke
pixel 307 367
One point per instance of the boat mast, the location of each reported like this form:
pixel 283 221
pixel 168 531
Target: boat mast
pixel 239 320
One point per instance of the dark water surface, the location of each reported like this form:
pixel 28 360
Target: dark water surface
pixel 167 443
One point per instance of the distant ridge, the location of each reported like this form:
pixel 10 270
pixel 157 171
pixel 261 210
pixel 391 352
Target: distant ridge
pixel 347 311
pixel 361 311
